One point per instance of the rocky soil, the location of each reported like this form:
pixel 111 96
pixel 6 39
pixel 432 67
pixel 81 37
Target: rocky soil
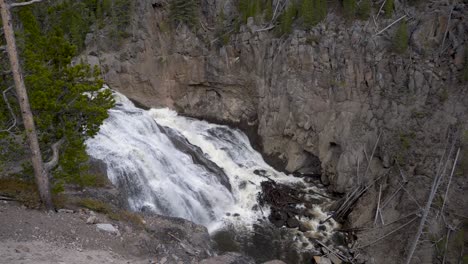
pixel 82 236
pixel 334 100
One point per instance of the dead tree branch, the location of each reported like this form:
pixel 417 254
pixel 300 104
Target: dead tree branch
pixel 386 235
pixel 372 155
pixel 447 29
pixel 380 10
pixel 25 3
pixel 377 210
pixel 389 26
pixel 9 109
pixel 48 166
pixel 434 188
pixel 450 180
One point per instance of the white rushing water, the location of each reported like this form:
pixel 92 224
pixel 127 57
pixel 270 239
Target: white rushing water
pixel 182 167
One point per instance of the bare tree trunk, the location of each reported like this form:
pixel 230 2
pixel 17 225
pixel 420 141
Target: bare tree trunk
pixel 40 174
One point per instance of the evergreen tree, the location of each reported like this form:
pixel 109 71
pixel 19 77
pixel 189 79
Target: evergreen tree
pixel 349 9
pixel 251 8
pixel 364 9
pixel 287 19
pixel 388 8
pixel 400 40
pixel 66 100
pixel 268 10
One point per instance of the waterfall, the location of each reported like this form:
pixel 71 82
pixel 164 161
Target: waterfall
pixel 182 167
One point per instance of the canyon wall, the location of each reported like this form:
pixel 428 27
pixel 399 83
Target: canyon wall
pixel 334 100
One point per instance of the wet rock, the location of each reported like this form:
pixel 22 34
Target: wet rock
pixel 322 260
pixel 185 239
pixel 303 227
pixel 242 185
pixel 292 222
pixel 321 228
pixel 339 238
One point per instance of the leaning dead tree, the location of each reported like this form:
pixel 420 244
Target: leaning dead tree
pixel 41 174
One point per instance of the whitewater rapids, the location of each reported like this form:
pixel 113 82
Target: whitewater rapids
pixel 182 167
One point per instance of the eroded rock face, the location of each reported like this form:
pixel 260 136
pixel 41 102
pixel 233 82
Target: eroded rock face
pixel 319 100
pixel 327 93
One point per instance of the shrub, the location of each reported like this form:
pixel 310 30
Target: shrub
pixel 23 191
pixel 401 38
pixel 117 215
pixel 184 12
pixel 95 205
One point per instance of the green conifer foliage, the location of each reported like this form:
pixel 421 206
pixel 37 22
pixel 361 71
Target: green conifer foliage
pixel 364 9
pixel 313 11
pixel 252 8
pixel 388 8
pixel 66 100
pixel 401 38
pixel 287 19
pixel 349 9
pixel 268 10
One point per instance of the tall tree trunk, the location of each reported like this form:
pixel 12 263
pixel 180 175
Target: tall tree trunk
pixel 40 174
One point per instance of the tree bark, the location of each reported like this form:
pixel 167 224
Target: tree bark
pixel 40 174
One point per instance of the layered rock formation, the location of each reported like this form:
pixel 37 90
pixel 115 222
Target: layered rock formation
pixel 316 101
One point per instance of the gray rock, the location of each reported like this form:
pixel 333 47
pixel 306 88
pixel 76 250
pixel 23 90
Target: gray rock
pixel 329 95
pixel 228 258
pixel 274 262
pixel 66 211
pixel 92 220
pixel 107 228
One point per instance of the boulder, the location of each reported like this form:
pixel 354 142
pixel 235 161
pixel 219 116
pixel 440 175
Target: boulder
pixel 274 262
pixel 108 228
pixel 92 220
pixel 228 258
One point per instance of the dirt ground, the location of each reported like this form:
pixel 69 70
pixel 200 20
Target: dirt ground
pixel 31 236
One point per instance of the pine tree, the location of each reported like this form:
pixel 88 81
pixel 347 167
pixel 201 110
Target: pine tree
pixel 307 12
pixel 349 9
pixel 313 11
pixel 67 102
pixel 400 40
pixel 364 9
pixel 388 8
pixel 268 10
pixel 287 19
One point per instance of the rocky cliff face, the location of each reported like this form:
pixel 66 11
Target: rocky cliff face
pixel 318 100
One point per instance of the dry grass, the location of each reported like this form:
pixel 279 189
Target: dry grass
pixel 114 214
pixel 24 192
